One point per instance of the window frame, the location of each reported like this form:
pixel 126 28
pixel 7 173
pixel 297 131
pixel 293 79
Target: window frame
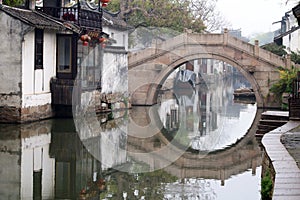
pixel 38 46
pixel 60 54
pixel 72 73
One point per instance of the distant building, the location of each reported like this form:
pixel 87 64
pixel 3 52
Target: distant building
pixel 288 35
pixel 237 33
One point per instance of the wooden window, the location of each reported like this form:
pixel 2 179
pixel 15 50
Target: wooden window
pixel 64 54
pixel 38 53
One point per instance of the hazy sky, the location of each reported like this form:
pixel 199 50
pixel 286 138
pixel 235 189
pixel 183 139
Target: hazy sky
pixel 254 16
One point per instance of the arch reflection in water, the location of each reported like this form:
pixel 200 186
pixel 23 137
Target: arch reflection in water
pixel 207 115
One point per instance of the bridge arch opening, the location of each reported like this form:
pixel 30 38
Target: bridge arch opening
pixel 164 74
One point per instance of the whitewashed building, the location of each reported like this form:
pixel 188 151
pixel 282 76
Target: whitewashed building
pixel 289 33
pixel 55 56
pixel 28 62
pixel 114 84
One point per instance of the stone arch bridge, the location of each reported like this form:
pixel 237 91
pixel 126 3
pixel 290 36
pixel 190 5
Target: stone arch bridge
pixel 149 68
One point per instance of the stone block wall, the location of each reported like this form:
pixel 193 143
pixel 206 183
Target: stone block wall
pixel 22 115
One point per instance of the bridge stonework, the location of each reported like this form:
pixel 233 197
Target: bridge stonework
pixel 149 68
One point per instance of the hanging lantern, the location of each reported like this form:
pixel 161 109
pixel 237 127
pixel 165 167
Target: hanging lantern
pixel 84 37
pixel 85 43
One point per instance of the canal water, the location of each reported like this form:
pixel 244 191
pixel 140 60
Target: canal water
pixel 194 144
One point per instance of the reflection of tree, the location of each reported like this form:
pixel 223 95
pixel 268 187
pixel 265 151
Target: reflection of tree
pixel 149 185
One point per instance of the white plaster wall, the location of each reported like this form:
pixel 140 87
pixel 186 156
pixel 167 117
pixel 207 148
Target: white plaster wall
pixel 28 63
pixel 49 58
pixel 292 42
pixel 30 100
pixel 121 36
pixel 36 83
pixel 115 73
pixel 10 62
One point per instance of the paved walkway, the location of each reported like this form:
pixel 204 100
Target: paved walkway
pixel 287 178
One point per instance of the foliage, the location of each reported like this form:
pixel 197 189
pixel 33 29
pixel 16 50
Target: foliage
pixel 285 83
pixel 159 13
pixel 276 49
pixel 143 37
pixel 13 2
pixel 266 187
pixel 295 57
pixel 174 14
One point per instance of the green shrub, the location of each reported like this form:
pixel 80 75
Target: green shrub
pixel 285 82
pixel 266 187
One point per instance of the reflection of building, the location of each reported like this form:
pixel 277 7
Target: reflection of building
pixel 203 114
pixel 75 168
pixel 210 69
pixel 48 159
pixel 26 169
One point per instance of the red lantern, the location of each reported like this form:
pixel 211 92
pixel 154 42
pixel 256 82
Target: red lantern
pixel 85 43
pixel 104 4
pixel 84 37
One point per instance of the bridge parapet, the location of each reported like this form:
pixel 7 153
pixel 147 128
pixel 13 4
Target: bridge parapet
pixel 205 40
pixel 154 64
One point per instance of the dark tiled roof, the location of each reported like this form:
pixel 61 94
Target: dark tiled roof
pixel 33 18
pixel 113 20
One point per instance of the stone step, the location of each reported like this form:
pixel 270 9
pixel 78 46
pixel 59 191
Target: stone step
pixel 272 122
pixel 261 132
pixel 275 115
pixel 266 127
pixel 259 136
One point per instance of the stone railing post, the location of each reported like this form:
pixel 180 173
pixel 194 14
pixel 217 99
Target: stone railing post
pixel 256 48
pixel 225 36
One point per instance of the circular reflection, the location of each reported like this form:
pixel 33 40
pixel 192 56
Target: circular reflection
pixel 208 115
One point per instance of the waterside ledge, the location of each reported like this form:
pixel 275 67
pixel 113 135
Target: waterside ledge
pixel 286 172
